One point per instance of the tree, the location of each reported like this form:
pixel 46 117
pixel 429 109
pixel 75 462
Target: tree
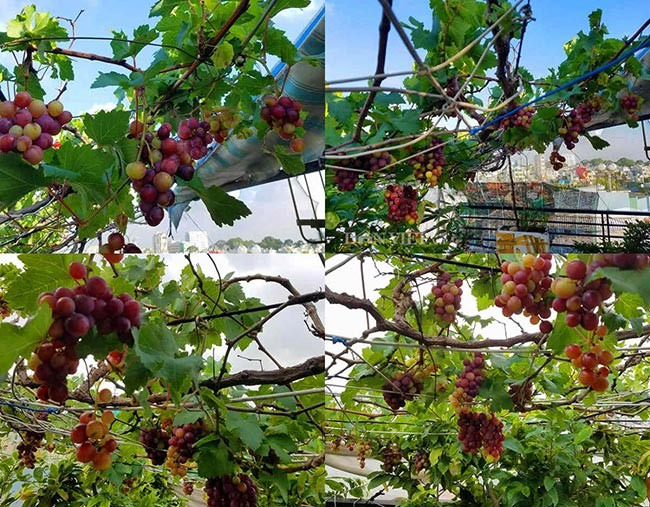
pixel 170 111
pixel 466 107
pixel 173 394
pixel 448 403
pixel 271 243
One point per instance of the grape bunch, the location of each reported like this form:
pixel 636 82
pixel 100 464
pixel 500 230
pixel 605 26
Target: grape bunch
pixel 402 387
pixel 588 361
pixel 94 439
pixel 231 491
pixel 92 304
pixel 525 289
pixel 620 260
pixel 421 461
pixel 346 180
pixel 580 301
pixel 155 442
pixel 181 446
pixel 447 293
pixel 363 450
pixel 283 115
pixel 391 456
pixel 27 126
pixel 574 123
pixel 468 384
pixel 164 159
pixel 521 118
pixel 631 104
pixel 402 201
pixel 427 167
pixel 115 248
pixel 521 394
pixel 557 160
pixel 51 363
pixel 477 429
pixel 221 121
pixel 492 435
pixel 31 442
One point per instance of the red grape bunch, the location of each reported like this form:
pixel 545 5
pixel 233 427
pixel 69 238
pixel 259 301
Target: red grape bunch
pixel 492 434
pixel 580 301
pixel 402 201
pixel 421 462
pixel 51 363
pixel 402 387
pixel 76 311
pixel 221 121
pixel 181 446
pixel 592 363
pixel 27 126
pixel 521 394
pixel 391 456
pixel 163 160
pixel 115 248
pixel 31 442
pixel 447 293
pixel 521 118
pixel 368 164
pixel 557 160
pixel 574 123
pixel 477 429
pixel 363 450
pixel 525 289
pixel 620 260
pixel 427 167
pixel 231 491
pixel 94 439
pixel 155 442
pixel 631 103
pixel 283 115
pixel 468 384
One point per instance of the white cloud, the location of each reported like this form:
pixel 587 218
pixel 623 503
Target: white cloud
pixel 108 106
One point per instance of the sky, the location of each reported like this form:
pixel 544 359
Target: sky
pixel 97 20
pixel 556 23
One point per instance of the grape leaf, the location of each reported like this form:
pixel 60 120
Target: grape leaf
pixel 223 208
pixel 247 428
pixel 41 273
pixel 110 79
pixel 23 339
pixel 214 461
pixel 291 162
pixel 17 179
pixel 223 55
pixel 278 44
pixel 107 127
pixel 632 281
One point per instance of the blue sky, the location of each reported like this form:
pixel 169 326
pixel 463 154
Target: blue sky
pixel 352 37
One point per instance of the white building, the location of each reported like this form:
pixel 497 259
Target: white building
pixel 160 243
pixel 199 240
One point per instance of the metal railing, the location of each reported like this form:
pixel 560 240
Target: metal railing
pixel 563 225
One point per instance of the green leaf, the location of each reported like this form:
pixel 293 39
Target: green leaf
pixel 514 445
pixel 632 281
pixel 247 428
pixel 41 273
pixel 331 220
pixel 214 461
pixel 187 417
pixel 20 341
pixel 278 44
pixel 629 305
pixel 223 208
pixel 107 127
pixel 120 47
pixel 561 336
pixel 291 162
pixel 156 347
pixel 223 55
pixel 17 179
pixel 106 79
pixel 597 143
